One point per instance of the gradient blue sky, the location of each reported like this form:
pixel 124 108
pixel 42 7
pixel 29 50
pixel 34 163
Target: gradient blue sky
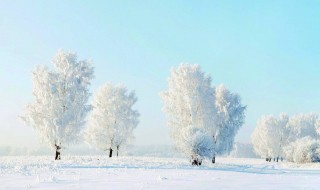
pixel 267 51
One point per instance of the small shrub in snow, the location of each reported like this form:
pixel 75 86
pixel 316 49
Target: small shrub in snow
pixel 303 150
pixel 201 145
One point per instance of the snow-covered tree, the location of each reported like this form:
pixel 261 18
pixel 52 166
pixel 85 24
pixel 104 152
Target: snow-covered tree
pixel 303 150
pixel 304 125
pixel 189 104
pixel 196 115
pixel 230 117
pixel 113 118
pixel 60 106
pixel 271 136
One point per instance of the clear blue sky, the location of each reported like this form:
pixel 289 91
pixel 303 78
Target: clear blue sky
pixel 267 51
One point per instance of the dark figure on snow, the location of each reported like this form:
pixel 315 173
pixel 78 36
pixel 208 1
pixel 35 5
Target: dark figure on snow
pixel 57 152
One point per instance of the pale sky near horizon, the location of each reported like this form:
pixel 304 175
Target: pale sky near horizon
pixel 266 51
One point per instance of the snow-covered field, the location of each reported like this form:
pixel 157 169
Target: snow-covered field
pixel 98 172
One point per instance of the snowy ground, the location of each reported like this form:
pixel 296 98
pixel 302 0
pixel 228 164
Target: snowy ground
pixel 88 172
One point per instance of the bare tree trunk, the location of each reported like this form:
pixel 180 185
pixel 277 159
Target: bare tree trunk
pixel 117 150
pixel 193 161
pixel 277 158
pixel 58 157
pixel 196 161
pixel 215 144
pixel 110 153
